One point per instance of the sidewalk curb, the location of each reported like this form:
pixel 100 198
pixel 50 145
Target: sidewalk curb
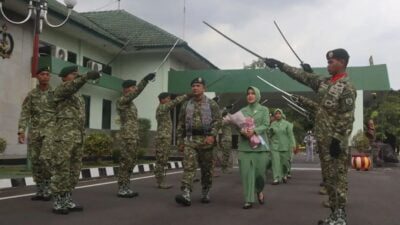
pixel 89 173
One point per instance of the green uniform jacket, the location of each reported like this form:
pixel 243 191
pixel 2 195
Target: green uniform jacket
pixel 281 136
pixel 38 112
pixel 163 116
pixel 127 112
pixel 260 114
pixel 336 103
pixel 70 110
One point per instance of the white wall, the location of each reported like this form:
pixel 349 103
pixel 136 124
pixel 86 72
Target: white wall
pixel 15 83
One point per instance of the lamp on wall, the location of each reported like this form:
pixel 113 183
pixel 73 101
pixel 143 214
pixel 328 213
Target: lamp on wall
pixel 39 10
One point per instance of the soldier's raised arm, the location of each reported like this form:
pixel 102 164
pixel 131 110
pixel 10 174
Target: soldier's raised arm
pixel 126 99
pixel 309 79
pixel 69 88
pixel 170 105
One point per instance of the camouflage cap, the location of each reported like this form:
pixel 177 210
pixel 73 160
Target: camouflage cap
pixel 128 83
pixel 163 95
pixel 339 53
pixel 198 80
pixel 68 70
pixel 43 69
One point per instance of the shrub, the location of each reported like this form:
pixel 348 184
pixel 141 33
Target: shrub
pixel 3 145
pixel 98 145
pixel 360 142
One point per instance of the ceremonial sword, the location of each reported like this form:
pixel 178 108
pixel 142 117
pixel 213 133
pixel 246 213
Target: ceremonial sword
pixel 306 67
pixel 233 41
pixel 280 90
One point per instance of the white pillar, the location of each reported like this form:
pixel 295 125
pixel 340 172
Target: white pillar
pixel 358 114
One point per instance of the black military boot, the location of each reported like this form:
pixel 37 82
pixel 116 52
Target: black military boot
pixel 184 198
pixel 72 207
pixel 60 204
pixel 205 195
pixel 39 193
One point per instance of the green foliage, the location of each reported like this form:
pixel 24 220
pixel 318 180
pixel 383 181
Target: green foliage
pixel 98 145
pixel 3 145
pixel 255 64
pixel 386 114
pixel 144 129
pixel 360 142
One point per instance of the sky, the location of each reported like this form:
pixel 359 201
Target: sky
pixel 362 27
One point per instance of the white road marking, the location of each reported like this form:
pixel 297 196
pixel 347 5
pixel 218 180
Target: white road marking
pixel 88 186
pixel 137 178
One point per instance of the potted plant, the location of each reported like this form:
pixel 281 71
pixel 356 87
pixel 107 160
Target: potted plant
pixel 360 160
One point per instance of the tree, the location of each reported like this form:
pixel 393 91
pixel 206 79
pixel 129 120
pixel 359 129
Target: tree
pixel 386 115
pixel 256 64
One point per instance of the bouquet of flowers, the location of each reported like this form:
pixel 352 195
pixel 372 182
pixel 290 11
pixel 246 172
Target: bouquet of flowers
pixel 246 124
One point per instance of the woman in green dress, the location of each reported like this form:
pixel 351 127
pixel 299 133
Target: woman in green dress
pixel 282 143
pixel 253 159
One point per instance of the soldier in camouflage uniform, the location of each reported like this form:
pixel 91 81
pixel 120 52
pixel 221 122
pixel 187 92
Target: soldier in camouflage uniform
pixel 225 144
pixel 129 133
pixel 164 135
pixel 68 138
pixel 313 107
pixel 199 120
pixel 38 113
pixel 333 124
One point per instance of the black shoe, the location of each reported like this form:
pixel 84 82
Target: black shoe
pixel 37 198
pixel 205 200
pixel 275 182
pixel 77 208
pixel 130 195
pixel 61 211
pixel 284 180
pixel 182 200
pixel 261 200
pixel 46 198
pixel 247 205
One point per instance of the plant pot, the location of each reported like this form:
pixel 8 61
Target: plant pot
pixel 361 162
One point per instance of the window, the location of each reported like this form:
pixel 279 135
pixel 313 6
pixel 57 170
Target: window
pixel 87 110
pixel 72 57
pixel 106 116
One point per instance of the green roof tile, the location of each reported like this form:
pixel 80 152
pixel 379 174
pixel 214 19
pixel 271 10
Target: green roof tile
pixel 126 27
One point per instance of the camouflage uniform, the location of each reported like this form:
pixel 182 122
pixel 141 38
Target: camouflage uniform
pixel 38 113
pixel 68 141
pixel 129 134
pixel 164 137
pixel 333 119
pixel 313 106
pixel 225 138
pixel 196 151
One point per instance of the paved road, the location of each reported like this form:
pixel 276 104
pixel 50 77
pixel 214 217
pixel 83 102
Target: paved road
pixel 374 200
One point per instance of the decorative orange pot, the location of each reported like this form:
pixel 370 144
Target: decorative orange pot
pixel 360 162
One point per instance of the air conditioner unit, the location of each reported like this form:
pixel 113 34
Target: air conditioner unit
pixel 60 53
pixel 94 65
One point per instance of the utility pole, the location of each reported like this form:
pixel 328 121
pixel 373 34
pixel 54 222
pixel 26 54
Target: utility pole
pixel 119 4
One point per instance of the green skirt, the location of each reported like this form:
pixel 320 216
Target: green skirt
pixel 252 167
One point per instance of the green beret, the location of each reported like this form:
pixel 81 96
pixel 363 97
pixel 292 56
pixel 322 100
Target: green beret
pixel 43 69
pixel 198 80
pixel 163 95
pixel 339 53
pixel 128 83
pixel 68 70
